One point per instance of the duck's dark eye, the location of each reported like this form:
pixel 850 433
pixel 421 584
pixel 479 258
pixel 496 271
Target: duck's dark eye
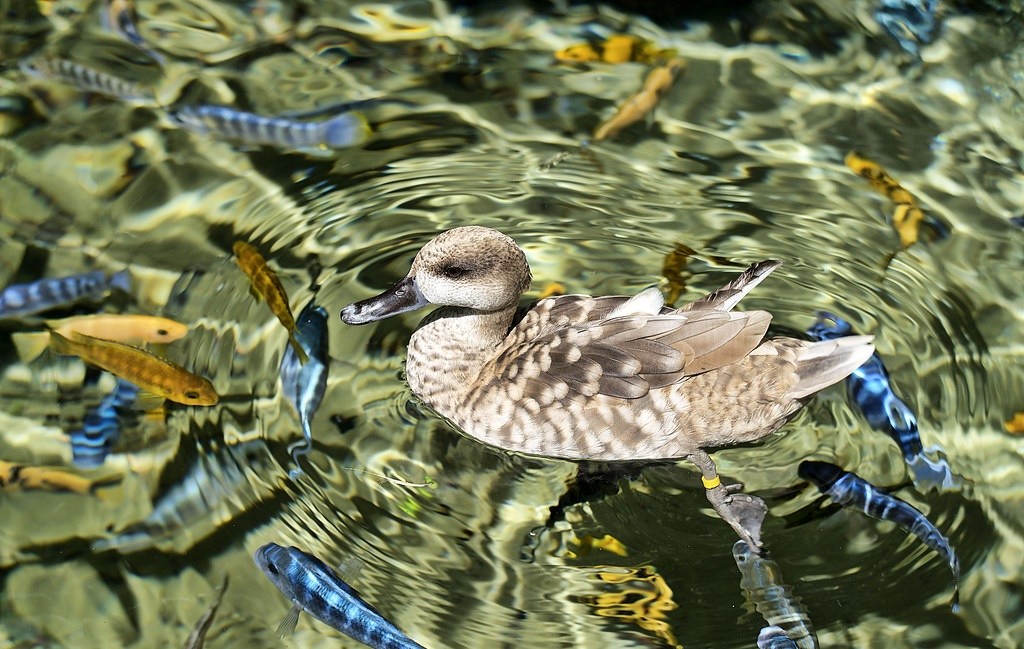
pixel 454 272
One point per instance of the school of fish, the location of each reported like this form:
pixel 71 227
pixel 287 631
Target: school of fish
pixel 132 347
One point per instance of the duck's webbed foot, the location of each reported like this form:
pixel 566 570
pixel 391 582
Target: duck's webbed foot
pixel 743 512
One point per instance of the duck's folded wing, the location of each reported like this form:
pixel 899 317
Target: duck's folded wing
pixel 555 313
pixel 623 357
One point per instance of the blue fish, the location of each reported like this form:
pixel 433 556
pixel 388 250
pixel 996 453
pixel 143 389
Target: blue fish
pixel 773 637
pixel 869 387
pixel 102 426
pixel 1018 221
pixel 19 300
pixel 304 384
pixel 911 23
pixel 762 582
pixel 344 130
pixel 313 587
pixel 850 490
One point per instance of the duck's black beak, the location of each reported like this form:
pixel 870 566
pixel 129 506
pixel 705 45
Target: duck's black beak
pixel 403 296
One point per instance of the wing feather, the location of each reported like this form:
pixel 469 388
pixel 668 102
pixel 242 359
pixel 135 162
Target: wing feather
pixel 565 349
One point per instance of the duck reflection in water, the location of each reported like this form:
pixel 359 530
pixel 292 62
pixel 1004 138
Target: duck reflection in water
pixel 609 379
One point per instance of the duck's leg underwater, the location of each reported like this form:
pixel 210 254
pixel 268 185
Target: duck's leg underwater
pixel 745 513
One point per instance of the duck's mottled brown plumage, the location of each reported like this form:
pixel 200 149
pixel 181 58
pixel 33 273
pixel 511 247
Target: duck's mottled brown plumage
pixel 602 378
pixel 585 377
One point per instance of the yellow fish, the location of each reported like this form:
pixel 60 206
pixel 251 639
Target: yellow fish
pixel 907 217
pixel 24 477
pixel 151 373
pixel 267 286
pixel 553 289
pixel 672 271
pixel 122 328
pixel 642 103
pixel 618 48
pixel 1015 425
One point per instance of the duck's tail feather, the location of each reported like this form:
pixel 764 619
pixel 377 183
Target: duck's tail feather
pixel 725 298
pixel 821 364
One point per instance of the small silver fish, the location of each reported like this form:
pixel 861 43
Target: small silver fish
pixel 83 78
pixel 345 130
pixel 119 17
pixel 304 384
pixel 313 587
pixel 851 490
pixel 761 579
pixel 19 300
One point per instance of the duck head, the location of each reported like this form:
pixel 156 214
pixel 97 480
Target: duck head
pixel 470 267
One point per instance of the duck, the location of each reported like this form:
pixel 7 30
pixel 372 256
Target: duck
pixel 602 378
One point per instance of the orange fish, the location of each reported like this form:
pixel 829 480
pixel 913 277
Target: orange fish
pixel 24 477
pixel 122 328
pixel 907 217
pixel 553 289
pixel 151 373
pixel 642 103
pixel 618 48
pixel 1015 425
pixel 266 286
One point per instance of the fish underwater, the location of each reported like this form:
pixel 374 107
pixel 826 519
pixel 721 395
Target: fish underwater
pixel 762 582
pixel 84 78
pixel 870 389
pixel 617 48
pixel 119 17
pixel 347 129
pixel 315 588
pixel 151 373
pixel 1016 424
pixel 19 300
pixel 911 23
pixel 22 477
pixel 908 216
pixel 119 327
pixel 304 384
pixel 638 106
pixel 850 490
pixel 773 637
pixel 267 286
pixel 101 429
